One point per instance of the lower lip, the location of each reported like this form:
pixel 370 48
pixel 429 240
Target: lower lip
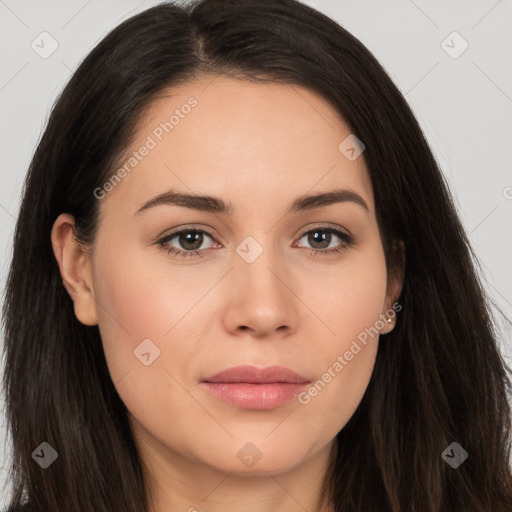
pixel 255 396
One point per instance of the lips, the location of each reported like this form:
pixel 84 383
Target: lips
pixel 249 387
pixel 253 375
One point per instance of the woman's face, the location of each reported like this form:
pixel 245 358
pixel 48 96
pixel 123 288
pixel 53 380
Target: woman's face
pixel 255 292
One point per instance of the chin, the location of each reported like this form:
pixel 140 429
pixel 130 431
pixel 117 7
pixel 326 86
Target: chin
pixel 257 458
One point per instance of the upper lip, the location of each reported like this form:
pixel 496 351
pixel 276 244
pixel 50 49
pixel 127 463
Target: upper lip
pixel 253 375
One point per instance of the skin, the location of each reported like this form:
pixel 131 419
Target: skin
pixel 264 145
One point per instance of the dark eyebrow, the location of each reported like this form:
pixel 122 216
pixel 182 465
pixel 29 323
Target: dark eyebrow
pixel 325 199
pixel 212 204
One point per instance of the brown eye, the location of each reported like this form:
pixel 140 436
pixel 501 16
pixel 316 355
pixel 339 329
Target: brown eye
pixel 322 238
pixel 188 242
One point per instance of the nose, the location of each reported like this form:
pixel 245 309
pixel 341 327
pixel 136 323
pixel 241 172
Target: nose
pixel 259 296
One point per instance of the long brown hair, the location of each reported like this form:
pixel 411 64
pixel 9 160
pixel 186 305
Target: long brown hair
pixel 439 376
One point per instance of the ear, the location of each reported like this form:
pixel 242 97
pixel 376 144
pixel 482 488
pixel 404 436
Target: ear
pixel 75 268
pixel 394 286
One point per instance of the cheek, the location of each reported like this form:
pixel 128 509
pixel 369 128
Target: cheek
pixel 344 356
pixel 347 298
pixel 338 391
pixel 136 303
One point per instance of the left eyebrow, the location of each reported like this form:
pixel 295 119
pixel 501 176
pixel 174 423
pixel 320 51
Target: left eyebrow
pixel 211 204
pixel 325 199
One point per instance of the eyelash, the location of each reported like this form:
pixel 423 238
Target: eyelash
pixel 346 241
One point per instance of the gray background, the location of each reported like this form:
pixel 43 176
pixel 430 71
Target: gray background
pixel 464 104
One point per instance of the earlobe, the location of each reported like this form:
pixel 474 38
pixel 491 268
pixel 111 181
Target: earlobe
pixel 389 324
pixel 397 272
pixel 75 269
pixel 394 287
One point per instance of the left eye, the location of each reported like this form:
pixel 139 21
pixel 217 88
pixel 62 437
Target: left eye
pixel 324 236
pixel 191 241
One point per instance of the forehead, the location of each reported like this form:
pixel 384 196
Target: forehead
pixel 220 135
